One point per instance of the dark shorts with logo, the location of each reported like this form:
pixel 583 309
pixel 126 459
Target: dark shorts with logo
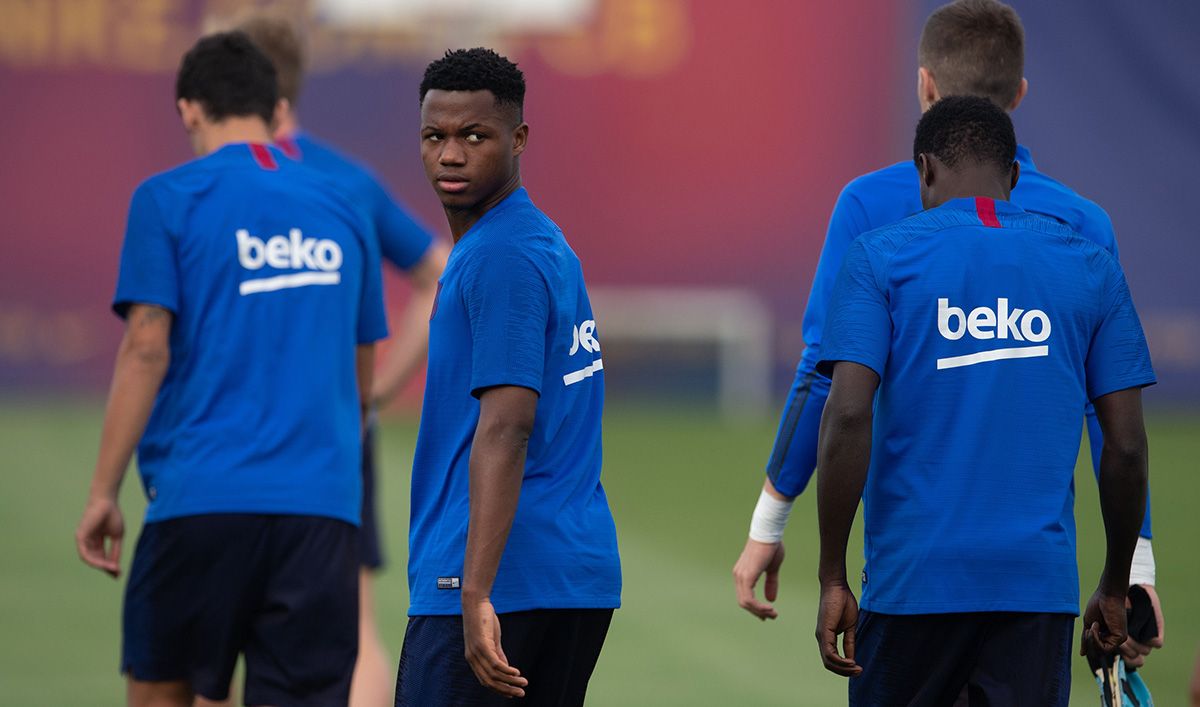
pixel 978 658
pixel 555 649
pixel 280 590
pixel 370 541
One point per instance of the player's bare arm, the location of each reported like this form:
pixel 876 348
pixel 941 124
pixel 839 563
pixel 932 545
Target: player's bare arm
pixel 407 353
pixel 497 466
pixel 843 455
pixel 142 361
pixel 762 557
pixel 1124 470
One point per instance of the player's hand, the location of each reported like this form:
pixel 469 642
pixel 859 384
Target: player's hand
pixel 1135 652
pixel 1103 624
pixel 758 558
pixel 481 634
pixel 98 537
pixel 837 614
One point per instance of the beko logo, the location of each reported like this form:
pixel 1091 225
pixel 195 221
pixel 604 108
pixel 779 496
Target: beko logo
pixel 317 259
pixel 986 323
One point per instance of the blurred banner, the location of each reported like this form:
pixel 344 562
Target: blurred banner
pixel 678 144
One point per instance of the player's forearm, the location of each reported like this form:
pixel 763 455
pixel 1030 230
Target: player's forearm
pixel 497 467
pixel 407 354
pixel 1123 478
pixel 843 458
pixel 137 376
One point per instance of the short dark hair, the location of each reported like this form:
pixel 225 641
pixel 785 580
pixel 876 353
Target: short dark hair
pixel 229 76
pixel 477 69
pixel 966 129
pixel 975 48
pixel 280 39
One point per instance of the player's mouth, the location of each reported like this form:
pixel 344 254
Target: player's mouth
pixel 452 183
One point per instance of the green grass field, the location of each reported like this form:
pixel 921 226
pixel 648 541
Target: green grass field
pixel 682 485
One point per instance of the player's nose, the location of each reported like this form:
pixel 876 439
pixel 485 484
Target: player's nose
pixel 452 154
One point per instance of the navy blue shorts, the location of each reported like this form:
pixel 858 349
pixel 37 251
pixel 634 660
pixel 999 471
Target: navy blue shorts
pixel 555 649
pixel 370 542
pixel 985 658
pixel 281 590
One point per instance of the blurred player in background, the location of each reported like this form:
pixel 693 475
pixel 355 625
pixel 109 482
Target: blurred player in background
pixel 985 329
pixel 971 47
pixel 253 299
pixel 510 526
pixel 408 246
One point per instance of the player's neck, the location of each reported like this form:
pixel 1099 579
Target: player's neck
pixel 972 185
pixel 233 130
pixel 461 220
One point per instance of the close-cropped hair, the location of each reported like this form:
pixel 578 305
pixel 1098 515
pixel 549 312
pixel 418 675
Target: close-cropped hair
pixel 966 130
pixel 477 69
pixel 282 41
pixel 975 48
pixel 229 76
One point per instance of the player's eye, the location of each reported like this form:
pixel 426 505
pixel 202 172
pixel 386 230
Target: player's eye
pixel 474 138
pixel 433 137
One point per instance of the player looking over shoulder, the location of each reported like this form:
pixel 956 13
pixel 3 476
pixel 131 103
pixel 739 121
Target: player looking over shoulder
pixel 405 244
pixel 510 526
pixel 962 343
pixel 970 47
pixel 252 299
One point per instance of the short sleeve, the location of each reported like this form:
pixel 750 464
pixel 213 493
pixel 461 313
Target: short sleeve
pixel 149 268
pixel 859 323
pixel 508 306
pixel 1118 357
pixel 402 240
pixel 372 313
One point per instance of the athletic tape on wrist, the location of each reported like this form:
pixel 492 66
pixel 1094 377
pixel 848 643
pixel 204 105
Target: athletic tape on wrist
pixel 770 518
pixel 1142 569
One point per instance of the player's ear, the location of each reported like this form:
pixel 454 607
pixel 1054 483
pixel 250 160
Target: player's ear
pixel 927 93
pixel 1016 174
pixel 282 107
pixel 189 113
pixel 520 138
pixel 924 168
pixel 1021 91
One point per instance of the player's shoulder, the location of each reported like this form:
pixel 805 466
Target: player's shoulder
pixel 883 196
pixel 1039 193
pixel 321 155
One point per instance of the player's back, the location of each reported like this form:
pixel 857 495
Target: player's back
pixel 273 281
pixel 402 239
pixel 994 316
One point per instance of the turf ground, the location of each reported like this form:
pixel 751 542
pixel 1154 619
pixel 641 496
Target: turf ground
pixel 682 485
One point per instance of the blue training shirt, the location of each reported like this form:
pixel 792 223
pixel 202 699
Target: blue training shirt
pixel 512 309
pixel 871 201
pixel 402 240
pixel 990 328
pixel 273 280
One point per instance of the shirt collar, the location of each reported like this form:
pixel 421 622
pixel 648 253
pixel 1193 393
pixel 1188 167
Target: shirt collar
pixel 972 204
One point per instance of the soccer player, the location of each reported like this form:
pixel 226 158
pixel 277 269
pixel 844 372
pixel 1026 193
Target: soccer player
pixel 252 299
pixel 510 526
pixel 971 47
pixel 984 328
pixel 408 246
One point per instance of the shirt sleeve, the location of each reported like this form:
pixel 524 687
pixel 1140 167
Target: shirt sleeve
pixel 1118 357
pixel 859 327
pixel 508 307
pixel 402 240
pixel 149 268
pixel 372 313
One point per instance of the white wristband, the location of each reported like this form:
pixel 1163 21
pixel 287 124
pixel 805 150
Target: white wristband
pixel 1142 570
pixel 770 518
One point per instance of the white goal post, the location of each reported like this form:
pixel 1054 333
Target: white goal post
pixel 736 320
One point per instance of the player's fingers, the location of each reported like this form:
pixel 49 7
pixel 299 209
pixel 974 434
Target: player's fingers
pixel 1157 641
pixel 848 644
pixel 1085 640
pixel 744 584
pixel 114 557
pixel 834 662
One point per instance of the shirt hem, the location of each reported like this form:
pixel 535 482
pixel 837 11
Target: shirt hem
pixel 909 608
pixel 605 602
